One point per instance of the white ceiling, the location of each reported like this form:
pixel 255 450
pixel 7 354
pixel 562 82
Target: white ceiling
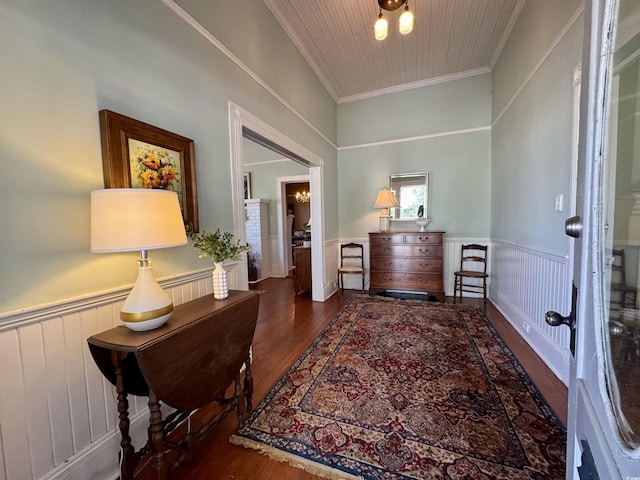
pixel 450 39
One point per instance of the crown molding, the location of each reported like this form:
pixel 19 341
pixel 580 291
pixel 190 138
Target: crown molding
pixel 422 83
pixel 416 138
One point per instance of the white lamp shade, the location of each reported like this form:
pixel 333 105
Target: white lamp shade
pixel 129 219
pixel 386 199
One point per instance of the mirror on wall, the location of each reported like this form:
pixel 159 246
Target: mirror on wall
pixel 412 193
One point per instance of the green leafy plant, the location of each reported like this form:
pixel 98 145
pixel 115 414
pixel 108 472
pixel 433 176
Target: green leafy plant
pixel 219 246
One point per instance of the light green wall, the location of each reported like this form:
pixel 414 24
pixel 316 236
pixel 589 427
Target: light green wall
pixel 539 23
pixel 531 141
pixel 458 162
pixel 459 184
pixel 264 176
pixel 62 62
pixel 247 28
pixel 443 107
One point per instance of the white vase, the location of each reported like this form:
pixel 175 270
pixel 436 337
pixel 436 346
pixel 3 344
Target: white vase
pixel 220 285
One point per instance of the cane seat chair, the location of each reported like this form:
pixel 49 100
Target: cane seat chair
pixel 351 262
pixel 472 276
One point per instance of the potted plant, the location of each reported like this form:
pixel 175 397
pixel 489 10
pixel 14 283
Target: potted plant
pixel 219 247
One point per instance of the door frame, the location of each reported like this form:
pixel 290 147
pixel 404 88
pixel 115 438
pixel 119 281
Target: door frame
pixel 240 118
pixel 281 198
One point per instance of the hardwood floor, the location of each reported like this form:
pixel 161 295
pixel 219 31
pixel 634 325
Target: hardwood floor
pixel 287 325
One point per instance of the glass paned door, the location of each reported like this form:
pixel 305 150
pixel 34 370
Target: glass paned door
pixel 621 221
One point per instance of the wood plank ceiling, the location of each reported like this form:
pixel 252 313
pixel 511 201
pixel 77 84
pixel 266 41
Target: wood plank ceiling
pixel 451 38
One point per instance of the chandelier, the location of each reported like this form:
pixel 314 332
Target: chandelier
pixel 405 23
pixel 303 197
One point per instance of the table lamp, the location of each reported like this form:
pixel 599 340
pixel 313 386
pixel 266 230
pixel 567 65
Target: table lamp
pixel 130 219
pixel 385 200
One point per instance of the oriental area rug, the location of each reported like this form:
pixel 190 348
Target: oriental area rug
pixel 405 389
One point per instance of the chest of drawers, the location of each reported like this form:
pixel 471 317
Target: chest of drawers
pixel 407 262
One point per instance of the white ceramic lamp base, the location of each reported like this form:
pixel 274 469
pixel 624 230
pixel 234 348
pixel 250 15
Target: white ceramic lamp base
pixel 148 306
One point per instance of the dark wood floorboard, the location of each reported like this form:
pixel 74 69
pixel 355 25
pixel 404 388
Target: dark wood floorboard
pixel 287 325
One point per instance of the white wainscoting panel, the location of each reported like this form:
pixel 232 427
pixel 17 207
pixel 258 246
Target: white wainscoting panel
pixel 526 284
pixel 331 259
pixel 274 241
pixel 58 413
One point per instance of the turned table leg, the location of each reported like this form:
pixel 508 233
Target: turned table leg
pixel 156 435
pixel 248 384
pixel 129 457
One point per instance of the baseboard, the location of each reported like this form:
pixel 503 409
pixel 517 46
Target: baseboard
pixel 99 461
pixel 552 354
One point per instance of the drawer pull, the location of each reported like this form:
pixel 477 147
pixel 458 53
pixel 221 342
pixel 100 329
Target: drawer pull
pixel 423 239
pixel 424 265
pixel 424 250
pixel 387 239
pixel 387 249
pixel 388 264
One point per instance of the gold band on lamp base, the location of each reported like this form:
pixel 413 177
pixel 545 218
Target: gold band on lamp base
pixel 135 317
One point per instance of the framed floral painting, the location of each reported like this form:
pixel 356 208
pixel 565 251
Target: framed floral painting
pixel 138 155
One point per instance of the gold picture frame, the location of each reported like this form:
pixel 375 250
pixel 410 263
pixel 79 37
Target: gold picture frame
pixel 138 155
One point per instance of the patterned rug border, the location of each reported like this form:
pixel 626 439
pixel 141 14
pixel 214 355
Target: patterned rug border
pixel 309 466
pixel 325 471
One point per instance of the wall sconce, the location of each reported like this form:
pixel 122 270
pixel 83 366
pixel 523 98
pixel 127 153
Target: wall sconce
pixel 385 200
pixel 130 219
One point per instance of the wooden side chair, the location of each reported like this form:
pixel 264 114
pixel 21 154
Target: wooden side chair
pixel 622 295
pixel 472 276
pixel 351 262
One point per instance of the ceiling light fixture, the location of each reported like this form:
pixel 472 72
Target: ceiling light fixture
pixel 381 26
pixel 303 197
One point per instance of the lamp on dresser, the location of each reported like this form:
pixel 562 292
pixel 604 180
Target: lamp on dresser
pixel 385 200
pixel 132 219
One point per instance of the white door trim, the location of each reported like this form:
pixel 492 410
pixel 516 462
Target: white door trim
pixel 239 118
